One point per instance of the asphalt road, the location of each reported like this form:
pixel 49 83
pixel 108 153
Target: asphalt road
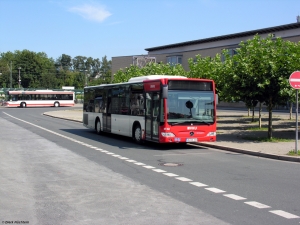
pixel 58 172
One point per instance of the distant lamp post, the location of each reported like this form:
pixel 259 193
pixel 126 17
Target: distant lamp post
pixel 86 81
pixel 19 77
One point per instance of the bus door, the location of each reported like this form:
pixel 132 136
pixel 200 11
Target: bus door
pixel 107 114
pixel 152 115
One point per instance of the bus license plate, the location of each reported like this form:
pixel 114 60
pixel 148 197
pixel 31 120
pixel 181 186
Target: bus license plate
pixel 191 140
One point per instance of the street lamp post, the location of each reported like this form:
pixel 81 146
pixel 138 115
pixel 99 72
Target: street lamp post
pixel 19 76
pixel 86 83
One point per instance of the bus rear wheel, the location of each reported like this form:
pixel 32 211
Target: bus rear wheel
pixel 56 104
pixel 137 134
pixel 23 105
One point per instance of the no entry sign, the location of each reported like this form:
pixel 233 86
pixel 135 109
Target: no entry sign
pixel 295 80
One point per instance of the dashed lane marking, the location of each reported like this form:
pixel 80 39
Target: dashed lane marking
pixel 198 184
pixel 258 205
pixel 284 214
pixel 130 160
pixel 140 164
pixel 215 190
pixel 234 197
pixel 159 171
pixel 170 174
pixel 149 167
pixel 183 179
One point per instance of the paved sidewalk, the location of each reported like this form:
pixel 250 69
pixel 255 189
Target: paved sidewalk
pixel 232 134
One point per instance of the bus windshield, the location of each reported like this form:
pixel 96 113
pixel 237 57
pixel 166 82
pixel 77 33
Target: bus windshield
pixel 186 107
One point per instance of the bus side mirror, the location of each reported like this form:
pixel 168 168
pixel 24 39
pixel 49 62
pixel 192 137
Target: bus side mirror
pixel 165 91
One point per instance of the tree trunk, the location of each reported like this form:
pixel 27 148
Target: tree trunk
pixel 248 111
pixel 252 114
pixel 291 110
pixel 270 128
pixel 259 116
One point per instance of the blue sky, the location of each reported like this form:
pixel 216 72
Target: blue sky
pixel 95 28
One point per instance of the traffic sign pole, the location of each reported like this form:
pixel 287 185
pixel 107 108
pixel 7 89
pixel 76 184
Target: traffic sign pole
pixel 296 142
pixel 295 83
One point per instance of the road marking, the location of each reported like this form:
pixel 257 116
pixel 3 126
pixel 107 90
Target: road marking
pixel 183 179
pixel 284 214
pixel 109 153
pixel 93 147
pixel 257 205
pixel 130 160
pixel 104 151
pixel 140 164
pixel 198 184
pixel 170 174
pixel 235 197
pixel 115 155
pixel 123 158
pixel 149 167
pixel 215 190
pixel 159 171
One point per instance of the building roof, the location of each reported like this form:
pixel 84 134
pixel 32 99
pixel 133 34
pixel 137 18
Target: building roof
pixel 228 36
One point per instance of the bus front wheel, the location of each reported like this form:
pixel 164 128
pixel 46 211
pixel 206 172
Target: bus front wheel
pixel 98 126
pixel 56 104
pixel 23 105
pixel 137 134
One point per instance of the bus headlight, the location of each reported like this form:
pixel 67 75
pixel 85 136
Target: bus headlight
pixel 167 134
pixel 212 134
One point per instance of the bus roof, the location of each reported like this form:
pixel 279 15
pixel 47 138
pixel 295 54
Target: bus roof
pixel 153 77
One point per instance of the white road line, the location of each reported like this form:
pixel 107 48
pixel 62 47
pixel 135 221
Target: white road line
pixel 182 154
pixel 183 179
pixel 257 205
pixel 170 174
pixel 215 190
pixel 115 155
pixel 198 184
pixel 149 167
pixel 94 147
pixel 284 214
pixel 104 151
pixel 140 164
pixel 235 197
pixel 109 153
pixel 130 160
pixel 99 149
pixel 123 158
pixel 159 171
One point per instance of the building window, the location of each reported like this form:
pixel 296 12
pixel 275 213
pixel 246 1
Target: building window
pixel 231 52
pixel 174 59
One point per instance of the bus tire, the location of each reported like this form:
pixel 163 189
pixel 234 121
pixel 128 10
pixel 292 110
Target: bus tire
pixel 98 126
pixel 137 134
pixel 56 104
pixel 23 105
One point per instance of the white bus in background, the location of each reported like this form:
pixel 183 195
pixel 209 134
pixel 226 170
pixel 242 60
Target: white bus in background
pixel 39 98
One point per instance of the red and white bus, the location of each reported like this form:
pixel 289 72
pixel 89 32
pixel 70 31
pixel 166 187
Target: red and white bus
pixel 158 108
pixel 39 98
